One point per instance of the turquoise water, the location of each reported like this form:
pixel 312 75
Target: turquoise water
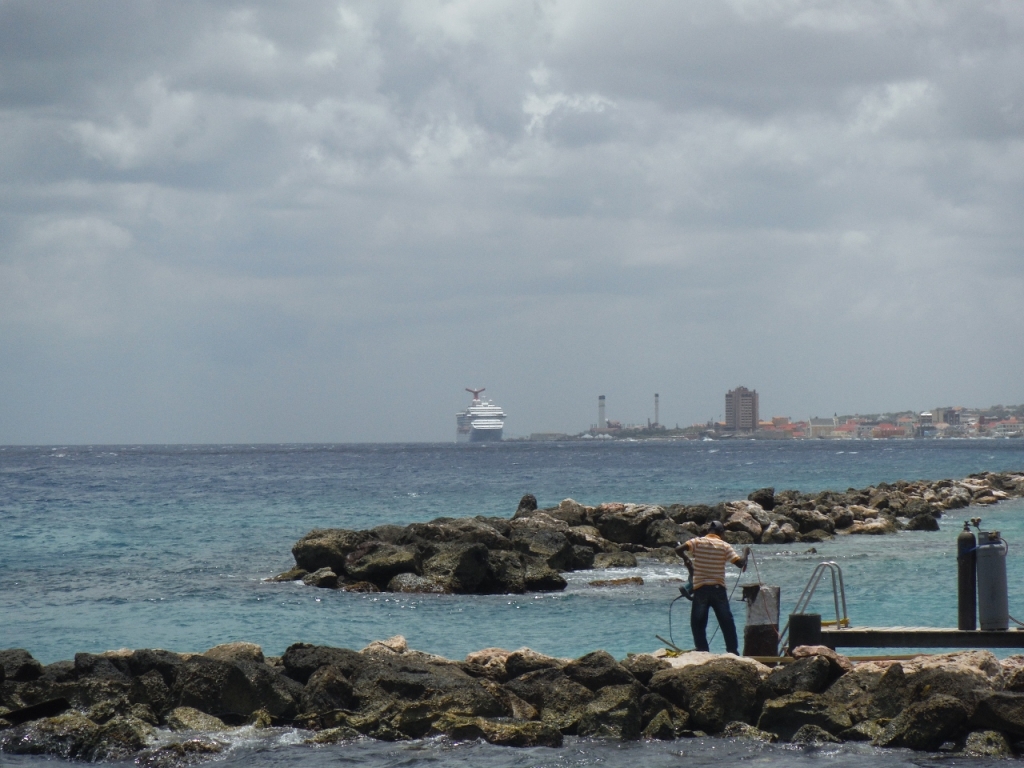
pixel 144 546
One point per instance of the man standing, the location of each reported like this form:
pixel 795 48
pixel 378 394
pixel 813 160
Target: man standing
pixel 709 555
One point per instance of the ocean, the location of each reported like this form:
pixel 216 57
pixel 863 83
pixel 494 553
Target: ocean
pixel 107 547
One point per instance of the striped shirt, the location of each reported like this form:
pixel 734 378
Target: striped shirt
pixel 710 554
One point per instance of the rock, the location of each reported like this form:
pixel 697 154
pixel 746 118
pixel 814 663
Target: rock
pixel 378 562
pixel 923 522
pixel 411 583
pixel 539 577
pixel 738 538
pixel 506 733
pixel 812 520
pixel 741 520
pixel 876 527
pixel 660 727
pixel 628 581
pixel 561 702
pixel 527 504
pixel 925 725
pixel 615 560
pixel 842 517
pixel 191 719
pixel 865 730
pixel 613 714
pixel 773 535
pixel 68 736
pixel 322 577
pixel 525 660
pixel 395 645
pixel 19 666
pixel 785 716
pixel 336 735
pixel 327 548
pixel 571 512
pixel 179 753
pixel 238 651
pixel 215 687
pixel 628 526
pixel 812 675
pixel 1001 711
pixel 151 691
pixel 292 574
pixel 765 497
pixel 463 567
pixel 740 730
pixel 666 533
pixel 119 739
pixel 986 744
pixel 838 664
pixel 813 735
pixel 715 693
pixel 643 666
pixel 598 669
pixel 301 660
pixel 507 574
pixel 548 546
pixel 327 689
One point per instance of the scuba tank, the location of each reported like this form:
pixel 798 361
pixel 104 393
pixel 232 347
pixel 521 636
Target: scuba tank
pixel 993 603
pixel 966 580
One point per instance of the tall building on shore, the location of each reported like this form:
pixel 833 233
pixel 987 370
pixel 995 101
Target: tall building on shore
pixel 741 411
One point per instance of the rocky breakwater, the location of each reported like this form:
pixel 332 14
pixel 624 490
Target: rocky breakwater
pixel 163 709
pixel 530 551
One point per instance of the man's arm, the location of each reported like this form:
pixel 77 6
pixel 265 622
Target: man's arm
pixel 741 562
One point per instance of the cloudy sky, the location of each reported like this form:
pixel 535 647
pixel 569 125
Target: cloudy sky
pixel 320 221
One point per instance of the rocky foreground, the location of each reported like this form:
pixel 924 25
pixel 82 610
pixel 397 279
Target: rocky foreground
pixel 530 551
pixel 167 709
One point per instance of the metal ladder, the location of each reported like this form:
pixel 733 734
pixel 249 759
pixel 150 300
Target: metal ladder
pixel 838 595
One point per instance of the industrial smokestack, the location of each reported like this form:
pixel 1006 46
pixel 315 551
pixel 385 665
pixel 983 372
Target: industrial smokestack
pixel 601 423
pixel 656 422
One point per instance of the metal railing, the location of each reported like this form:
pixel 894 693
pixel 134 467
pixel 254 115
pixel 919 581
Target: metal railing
pixel 838 595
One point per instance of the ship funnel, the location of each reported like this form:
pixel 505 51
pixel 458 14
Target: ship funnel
pixel 601 422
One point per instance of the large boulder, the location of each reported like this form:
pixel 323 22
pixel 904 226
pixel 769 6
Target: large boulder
pixel 629 524
pixel 19 666
pixel 525 660
pixel 328 548
pixel 560 701
pixel 613 714
pixel 506 572
pixel 326 690
pixel 786 715
pixel 1001 711
pixel 598 669
pixel 505 733
pixel 925 725
pixel 765 497
pixel 215 687
pixel 400 696
pixel 547 545
pixel 463 566
pixel 812 675
pixel 715 693
pixel 301 660
pixel 643 666
pixel 378 562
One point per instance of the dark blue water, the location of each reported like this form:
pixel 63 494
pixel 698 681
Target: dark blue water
pixel 169 546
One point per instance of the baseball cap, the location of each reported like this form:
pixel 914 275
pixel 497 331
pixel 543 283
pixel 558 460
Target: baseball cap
pixel 715 526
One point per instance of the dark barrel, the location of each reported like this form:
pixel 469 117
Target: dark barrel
pixel 966 580
pixel 804 629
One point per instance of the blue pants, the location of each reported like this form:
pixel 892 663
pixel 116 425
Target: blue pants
pixel 717 599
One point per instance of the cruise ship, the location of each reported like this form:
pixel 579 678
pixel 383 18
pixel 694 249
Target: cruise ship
pixel 482 421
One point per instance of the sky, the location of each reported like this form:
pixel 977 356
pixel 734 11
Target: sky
pixel 263 222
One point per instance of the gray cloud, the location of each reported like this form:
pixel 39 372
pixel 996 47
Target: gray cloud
pixel 251 221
